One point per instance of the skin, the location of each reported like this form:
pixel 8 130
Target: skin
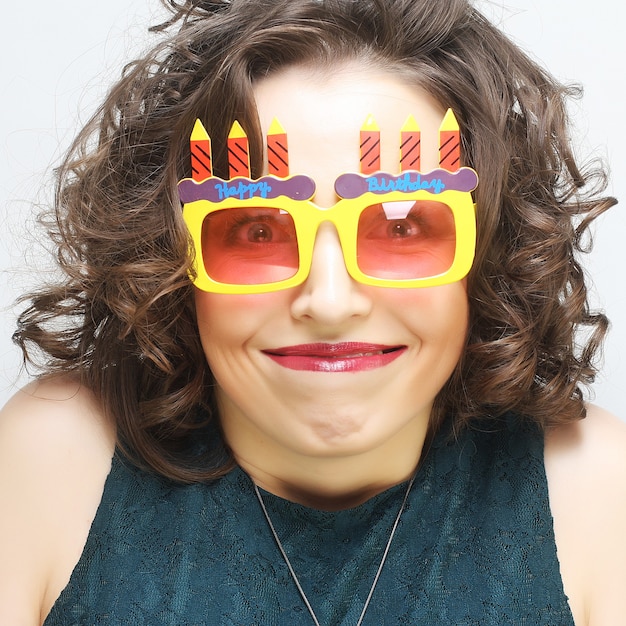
pixel 333 439
pixel 56 445
pixel 55 453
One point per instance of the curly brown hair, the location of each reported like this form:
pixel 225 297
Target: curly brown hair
pixel 123 319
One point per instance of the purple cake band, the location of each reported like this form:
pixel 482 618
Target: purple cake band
pixel 354 185
pixel 347 186
pixel 216 190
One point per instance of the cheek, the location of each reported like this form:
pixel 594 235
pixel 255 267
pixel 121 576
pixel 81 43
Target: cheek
pixel 228 320
pixel 438 316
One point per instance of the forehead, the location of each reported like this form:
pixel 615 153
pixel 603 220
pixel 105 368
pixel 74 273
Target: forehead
pixel 322 113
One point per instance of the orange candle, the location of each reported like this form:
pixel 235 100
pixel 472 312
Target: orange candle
pixel 370 146
pixel 200 144
pixel 410 145
pixel 238 155
pixel 449 143
pixel 277 153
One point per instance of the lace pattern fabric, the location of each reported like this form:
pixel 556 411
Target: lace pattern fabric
pixel 475 546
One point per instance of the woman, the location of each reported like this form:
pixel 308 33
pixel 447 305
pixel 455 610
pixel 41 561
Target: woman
pixel 316 440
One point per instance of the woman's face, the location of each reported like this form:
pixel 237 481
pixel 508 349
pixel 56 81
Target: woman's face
pixel 334 368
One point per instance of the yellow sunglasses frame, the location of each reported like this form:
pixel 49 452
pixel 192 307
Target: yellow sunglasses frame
pixel 307 217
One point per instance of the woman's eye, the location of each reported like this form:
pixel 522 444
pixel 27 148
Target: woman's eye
pixel 399 229
pixel 260 233
pixel 407 222
pixel 377 226
pixel 243 227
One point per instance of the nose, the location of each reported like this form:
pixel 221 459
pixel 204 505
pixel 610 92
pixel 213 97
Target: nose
pixel 330 296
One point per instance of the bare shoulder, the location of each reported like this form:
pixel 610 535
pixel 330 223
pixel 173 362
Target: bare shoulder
pixel 55 453
pixel 586 469
pixel 593 451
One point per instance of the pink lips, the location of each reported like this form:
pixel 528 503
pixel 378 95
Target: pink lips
pixel 335 357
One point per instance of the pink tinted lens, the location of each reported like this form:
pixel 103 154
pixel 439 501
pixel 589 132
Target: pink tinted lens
pixel 249 246
pixel 406 239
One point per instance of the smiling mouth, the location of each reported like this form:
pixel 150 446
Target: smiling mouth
pixel 335 357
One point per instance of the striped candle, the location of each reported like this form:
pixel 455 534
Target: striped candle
pixel 370 146
pixel 277 153
pixel 238 154
pixel 449 143
pixel 410 145
pixel 200 145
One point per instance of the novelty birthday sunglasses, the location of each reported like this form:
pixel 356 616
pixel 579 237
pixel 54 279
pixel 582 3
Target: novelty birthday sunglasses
pixel 256 236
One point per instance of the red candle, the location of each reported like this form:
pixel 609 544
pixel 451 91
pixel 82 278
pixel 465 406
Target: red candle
pixel 238 155
pixel 410 145
pixel 370 146
pixel 200 144
pixel 449 143
pixel 277 153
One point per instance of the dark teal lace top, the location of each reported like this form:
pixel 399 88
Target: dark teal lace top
pixel 475 546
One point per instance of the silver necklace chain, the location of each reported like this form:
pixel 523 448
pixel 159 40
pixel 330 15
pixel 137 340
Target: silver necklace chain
pixel 293 573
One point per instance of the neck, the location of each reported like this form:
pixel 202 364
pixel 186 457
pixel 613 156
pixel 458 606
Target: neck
pixel 324 494
pixel 328 482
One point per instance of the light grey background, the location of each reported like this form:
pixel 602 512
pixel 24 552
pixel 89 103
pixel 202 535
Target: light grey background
pixel 60 57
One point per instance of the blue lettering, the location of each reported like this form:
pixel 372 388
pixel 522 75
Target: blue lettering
pixel 242 190
pixel 382 184
pixel 372 184
pixel 437 185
